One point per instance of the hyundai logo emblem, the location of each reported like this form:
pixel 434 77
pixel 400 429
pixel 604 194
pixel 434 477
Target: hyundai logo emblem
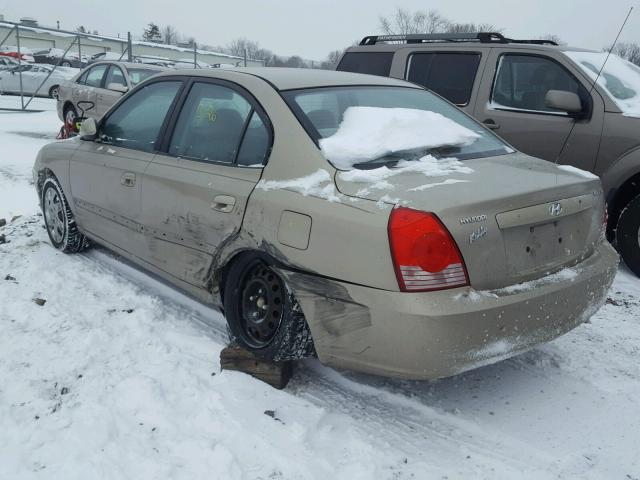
pixel 555 209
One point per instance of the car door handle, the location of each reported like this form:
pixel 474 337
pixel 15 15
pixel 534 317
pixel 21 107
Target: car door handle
pixel 491 124
pixel 223 203
pixel 128 179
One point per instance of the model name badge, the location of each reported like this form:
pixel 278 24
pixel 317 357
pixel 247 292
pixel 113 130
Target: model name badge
pixel 478 234
pixel 474 219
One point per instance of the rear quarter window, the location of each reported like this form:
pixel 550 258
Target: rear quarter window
pixel 372 63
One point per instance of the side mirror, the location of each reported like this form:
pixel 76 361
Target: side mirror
pixel 88 129
pixel 564 101
pixel 117 87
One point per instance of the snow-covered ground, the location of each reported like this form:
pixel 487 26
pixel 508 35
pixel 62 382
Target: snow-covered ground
pixel 117 376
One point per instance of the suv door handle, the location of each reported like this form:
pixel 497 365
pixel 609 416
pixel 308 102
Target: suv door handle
pixel 491 124
pixel 223 203
pixel 128 179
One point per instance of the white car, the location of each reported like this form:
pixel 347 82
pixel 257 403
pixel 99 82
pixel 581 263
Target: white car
pixel 33 76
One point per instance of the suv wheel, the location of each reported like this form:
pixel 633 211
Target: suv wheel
pixel 628 235
pixel 58 218
pixel 262 315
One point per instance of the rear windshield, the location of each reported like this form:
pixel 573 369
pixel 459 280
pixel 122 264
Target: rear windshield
pixel 321 111
pixel 137 75
pixel 372 63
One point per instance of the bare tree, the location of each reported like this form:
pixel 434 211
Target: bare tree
pixel 169 35
pixel 404 22
pixel 628 51
pixel 552 37
pixel 332 60
pixel 471 28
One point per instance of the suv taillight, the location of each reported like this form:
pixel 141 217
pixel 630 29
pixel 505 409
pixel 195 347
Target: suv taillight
pixel 425 255
pixel 605 223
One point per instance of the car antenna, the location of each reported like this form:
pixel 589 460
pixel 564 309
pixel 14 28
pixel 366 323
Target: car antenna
pixel 593 85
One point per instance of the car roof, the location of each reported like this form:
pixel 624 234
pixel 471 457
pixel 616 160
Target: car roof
pixel 295 78
pixel 128 65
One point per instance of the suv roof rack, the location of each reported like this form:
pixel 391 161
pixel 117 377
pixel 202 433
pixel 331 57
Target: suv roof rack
pixel 482 37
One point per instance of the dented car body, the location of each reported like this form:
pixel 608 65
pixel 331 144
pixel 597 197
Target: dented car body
pixel 525 259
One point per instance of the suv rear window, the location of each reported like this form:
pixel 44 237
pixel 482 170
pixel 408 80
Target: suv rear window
pixel 372 63
pixel 450 75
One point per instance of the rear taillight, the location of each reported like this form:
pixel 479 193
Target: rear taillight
pixel 425 256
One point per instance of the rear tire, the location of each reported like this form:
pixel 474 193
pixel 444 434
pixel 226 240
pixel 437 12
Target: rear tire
pixel 628 235
pixel 65 63
pixel 58 219
pixel 54 91
pixel 262 314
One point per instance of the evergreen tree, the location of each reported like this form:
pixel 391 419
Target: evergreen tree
pixel 152 33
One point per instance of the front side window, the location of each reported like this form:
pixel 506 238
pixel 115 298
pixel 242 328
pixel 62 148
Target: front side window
pixel 137 121
pixel 115 75
pixel 450 75
pixel 321 111
pixel 94 76
pixel 211 124
pixel 372 63
pixel 522 83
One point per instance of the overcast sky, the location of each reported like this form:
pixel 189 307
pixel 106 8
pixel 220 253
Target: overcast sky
pixel 311 28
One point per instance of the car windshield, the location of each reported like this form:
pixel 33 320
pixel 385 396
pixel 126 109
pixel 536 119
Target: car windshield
pixel 137 75
pixel 366 126
pixel 619 78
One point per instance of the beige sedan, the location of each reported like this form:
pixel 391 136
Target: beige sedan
pixel 102 84
pixel 357 218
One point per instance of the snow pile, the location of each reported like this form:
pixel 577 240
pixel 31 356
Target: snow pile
pixel 620 78
pixel 578 171
pixel 318 184
pixel 367 133
pixel 427 186
pixel 564 275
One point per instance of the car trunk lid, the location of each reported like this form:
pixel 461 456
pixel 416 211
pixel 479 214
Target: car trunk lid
pixel 514 218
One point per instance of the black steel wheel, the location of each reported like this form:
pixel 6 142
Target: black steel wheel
pixel 262 315
pixel 262 305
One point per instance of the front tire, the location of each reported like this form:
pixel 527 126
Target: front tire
pixel 58 219
pixel 628 235
pixel 262 315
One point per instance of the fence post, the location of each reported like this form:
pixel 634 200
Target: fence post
pixel 79 53
pixel 129 48
pixel 245 57
pixel 195 55
pixel 20 66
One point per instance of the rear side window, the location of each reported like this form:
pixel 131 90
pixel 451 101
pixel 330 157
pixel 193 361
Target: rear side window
pixel 450 75
pixel 522 83
pixel 115 75
pixel 137 121
pixel 137 75
pixel 211 124
pixel 94 76
pixel 372 63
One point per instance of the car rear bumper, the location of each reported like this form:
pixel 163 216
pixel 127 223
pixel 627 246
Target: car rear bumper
pixel 439 334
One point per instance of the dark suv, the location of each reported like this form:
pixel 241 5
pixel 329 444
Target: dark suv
pixel 542 98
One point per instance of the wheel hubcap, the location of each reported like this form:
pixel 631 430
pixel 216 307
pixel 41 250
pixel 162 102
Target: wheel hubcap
pixel 262 304
pixel 54 215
